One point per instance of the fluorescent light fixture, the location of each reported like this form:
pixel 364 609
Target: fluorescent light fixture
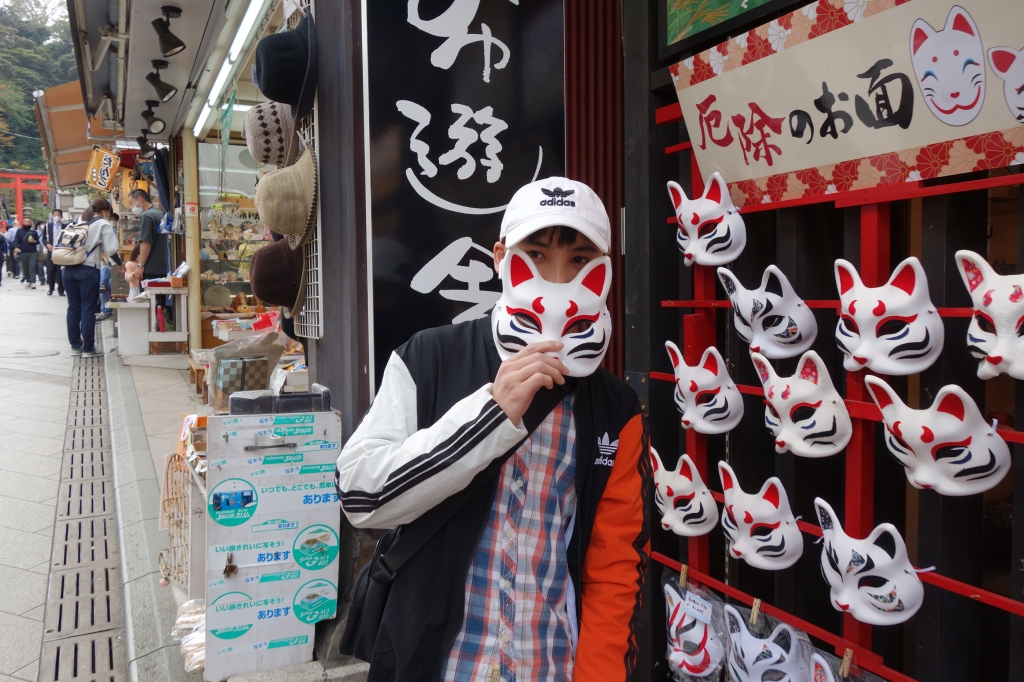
pixel 218 85
pixel 256 9
pixel 201 121
pixel 238 107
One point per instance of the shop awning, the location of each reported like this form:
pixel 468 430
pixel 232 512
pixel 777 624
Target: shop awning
pixel 68 135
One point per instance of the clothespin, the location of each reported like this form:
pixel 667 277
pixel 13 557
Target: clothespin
pixel 682 575
pixel 844 668
pixel 229 568
pixel 755 610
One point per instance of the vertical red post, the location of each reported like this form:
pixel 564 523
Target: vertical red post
pixel 860 453
pixel 19 208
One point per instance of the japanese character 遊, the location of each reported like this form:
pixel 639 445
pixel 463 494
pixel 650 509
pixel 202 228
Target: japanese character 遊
pixel 883 115
pixel 711 121
pixel 824 104
pixel 759 122
pixel 453 25
pixel 464 137
pixel 473 274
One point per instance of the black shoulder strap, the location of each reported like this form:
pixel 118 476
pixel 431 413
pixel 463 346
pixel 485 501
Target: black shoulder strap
pixel 415 535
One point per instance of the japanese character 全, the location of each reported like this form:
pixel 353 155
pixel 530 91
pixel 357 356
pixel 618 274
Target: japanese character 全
pixel 473 274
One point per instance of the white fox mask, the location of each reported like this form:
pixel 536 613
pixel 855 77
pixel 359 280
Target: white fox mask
pixel 947 447
pixel 893 329
pixel 1008 64
pixel 950 67
pixel 760 528
pixel 686 505
pixel 707 399
pixel 804 412
pixel 820 669
pixel 996 333
pixel 772 319
pixel 531 310
pixel 696 649
pixel 711 231
pixel 871 579
pixel 776 657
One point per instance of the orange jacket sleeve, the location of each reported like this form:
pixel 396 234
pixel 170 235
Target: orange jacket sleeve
pixel 615 566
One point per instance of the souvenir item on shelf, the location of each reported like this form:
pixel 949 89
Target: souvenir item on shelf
pixel 707 399
pixel 532 309
pixel 1008 64
pixel 995 334
pixel 892 329
pixel 871 579
pixel 804 412
pixel 711 231
pixel 820 670
pixel 777 657
pixel 947 447
pixel 686 505
pixel 771 319
pixel 950 67
pixel 695 647
pixel 760 528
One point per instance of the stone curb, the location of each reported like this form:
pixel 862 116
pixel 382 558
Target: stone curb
pixel 149 609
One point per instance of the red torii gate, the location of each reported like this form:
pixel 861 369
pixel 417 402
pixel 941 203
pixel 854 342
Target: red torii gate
pixel 25 181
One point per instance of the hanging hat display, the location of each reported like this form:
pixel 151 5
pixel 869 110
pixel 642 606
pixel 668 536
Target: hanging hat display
pixel 278 276
pixel 685 503
pixel 706 397
pixel 286 199
pixel 804 412
pixel 281 58
pixel 269 133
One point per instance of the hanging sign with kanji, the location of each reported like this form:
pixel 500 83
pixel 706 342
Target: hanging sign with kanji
pixel 842 95
pixel 102 171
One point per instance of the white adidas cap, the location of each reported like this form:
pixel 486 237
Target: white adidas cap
pixel 556 201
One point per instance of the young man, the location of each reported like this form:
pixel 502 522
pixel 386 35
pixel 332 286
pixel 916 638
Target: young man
pixel 153 244
pixel 50 234
pixel 538 575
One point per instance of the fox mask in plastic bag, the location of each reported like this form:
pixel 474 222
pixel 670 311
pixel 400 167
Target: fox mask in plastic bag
pixel 683 499
pixel 711 231
pixel 696 648
pixel 707 399
pixel 752 659
pixel 772 319
pixel 760 528
pixel 996 333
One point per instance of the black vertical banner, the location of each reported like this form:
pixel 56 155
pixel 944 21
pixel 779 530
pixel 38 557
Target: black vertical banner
pixel 466 105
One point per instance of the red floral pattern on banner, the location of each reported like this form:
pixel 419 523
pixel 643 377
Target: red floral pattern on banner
pixel 757 48
pixel 702 71
pixel 976 153
pixel 830 17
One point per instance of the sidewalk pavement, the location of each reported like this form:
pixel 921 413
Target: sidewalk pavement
pixel 35 380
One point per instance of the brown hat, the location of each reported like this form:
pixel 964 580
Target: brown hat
pixel 286 199
pixel 277 275
pixel 269 133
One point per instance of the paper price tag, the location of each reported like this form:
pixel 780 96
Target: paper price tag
pixel 698 608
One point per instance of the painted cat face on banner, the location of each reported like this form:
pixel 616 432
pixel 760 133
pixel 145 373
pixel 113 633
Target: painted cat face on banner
pixel 820 669
pixel 711 231
pixel 1008 64
pixel 947 447
pixel 804 412
pixel 696 647
pixel 685 503
pixel 707 399
pixel 776 657
pixel 893 329
pixel 772 319
pixel 760 528
pixel 950 67
pixel 532 309
pixel 996 333
pixel 871 579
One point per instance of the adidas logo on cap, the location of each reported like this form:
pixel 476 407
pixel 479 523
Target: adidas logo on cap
pixel 557 197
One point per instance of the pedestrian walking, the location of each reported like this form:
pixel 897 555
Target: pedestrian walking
pixel 82 282
pixel 11 236
pixel 51 232
pixel 42 253
pixel 27 250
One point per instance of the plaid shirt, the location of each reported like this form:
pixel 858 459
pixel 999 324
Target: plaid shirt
pixel 516 623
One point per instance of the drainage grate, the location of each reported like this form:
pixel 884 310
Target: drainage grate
pixel 79 466
pixel 87 599
pixel 87 416
pixel 85 437
pixel 88 399
pixel 85 498
pixel 81 542
pixel 90 658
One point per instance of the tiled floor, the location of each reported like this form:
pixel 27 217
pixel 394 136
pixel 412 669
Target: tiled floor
pixel 34 401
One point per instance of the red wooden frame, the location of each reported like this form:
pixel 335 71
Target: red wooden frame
pixel 40 183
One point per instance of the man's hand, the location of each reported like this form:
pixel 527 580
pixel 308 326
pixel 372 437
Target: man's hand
pixel 522 375
pixel 17 251
pixel 49 247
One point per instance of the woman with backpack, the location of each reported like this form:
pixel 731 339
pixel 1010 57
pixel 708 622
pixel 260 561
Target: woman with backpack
pixel 79 250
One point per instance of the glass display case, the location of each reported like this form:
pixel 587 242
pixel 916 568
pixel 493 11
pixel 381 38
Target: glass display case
pixel 229 237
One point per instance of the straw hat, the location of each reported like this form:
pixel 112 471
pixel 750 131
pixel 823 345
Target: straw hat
pixel 286 199
pixel 277 275
pixel 269 133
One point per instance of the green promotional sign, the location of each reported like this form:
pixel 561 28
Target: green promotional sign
pixel 315 601
pixel 232 502
pixel 315 547
pixel 231 631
